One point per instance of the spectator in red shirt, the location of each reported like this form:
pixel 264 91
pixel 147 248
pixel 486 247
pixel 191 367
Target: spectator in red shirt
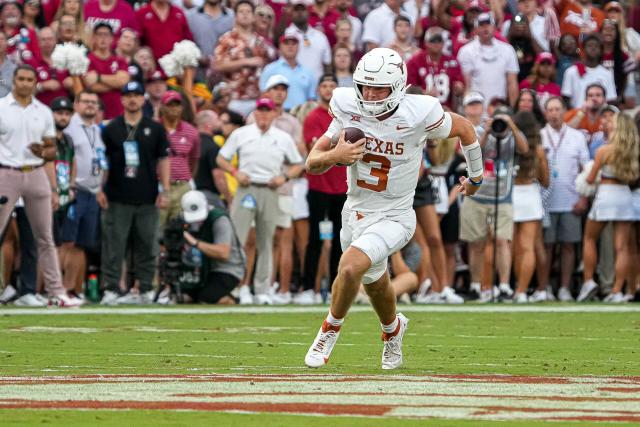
pixel 52 83
pixel 437 74
pixel 117 13
pixel 184 152
pixel 126 48
pixel 162 25
pixel 326 195
pixel 543 78
pixel 22 41
pixel 323 18
pixel 107 73
pixel 32 15
pixel 450 16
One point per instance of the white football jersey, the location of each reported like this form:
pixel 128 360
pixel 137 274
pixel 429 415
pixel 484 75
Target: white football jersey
pixel 385 179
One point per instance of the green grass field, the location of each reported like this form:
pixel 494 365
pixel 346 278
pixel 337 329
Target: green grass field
pixel 203 366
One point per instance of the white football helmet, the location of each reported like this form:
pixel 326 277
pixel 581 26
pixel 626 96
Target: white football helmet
pixel 380 67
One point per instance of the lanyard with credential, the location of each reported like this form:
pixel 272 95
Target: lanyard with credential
pixel 555 149
pixel 92 138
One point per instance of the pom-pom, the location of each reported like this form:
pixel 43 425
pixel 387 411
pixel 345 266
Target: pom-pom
pixel 582 187
pixel 184 54
pixel 71 57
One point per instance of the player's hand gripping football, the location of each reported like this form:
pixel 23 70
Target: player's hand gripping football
pixel 466 187
pixel 346 153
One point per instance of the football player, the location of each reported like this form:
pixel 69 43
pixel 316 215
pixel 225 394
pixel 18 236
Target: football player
pixel 377 218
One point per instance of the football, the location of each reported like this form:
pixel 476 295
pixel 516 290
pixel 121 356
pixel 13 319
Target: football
pixel 352 135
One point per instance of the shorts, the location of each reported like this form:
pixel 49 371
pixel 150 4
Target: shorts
pixel 527 203
pixel 476 218
pixel 425 194
pixel 612 204
pixel 635 201
pixel 285 211
pixel 378 235
pixel 218 285
pixel 59 218
pixel 300 204
pixel 565 227
pixel 450 224
pixel 82 222
pixel 442 202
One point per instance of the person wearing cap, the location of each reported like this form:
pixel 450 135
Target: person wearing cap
pixel 207 24
pixel 80 232
pixel 52 82
pixel 378 25
pixel 478 211
pixel 489 66
pixel 543 78
pixel 601 137
pixel 240 56
pixel 293 206
pixel 579 18
pixel 300 82
pixel 438 75
pixel 525 45
pixel 263 151
pixel 587 117
pixel 184 152
pixel 107 73
pixel 22 157
pixel 211 232
pixel 473 110
pixel 137 154
pixel 162 25
pixel 528 10
pixel 155 87
pixel 118 13
pixel 326 196
pixel 7 66
pixel 314 51
pixel 22 41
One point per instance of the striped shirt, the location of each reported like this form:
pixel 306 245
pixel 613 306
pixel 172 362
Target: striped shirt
pixel 567 153
pixel 184 151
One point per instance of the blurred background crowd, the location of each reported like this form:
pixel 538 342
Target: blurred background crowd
pixel 189 186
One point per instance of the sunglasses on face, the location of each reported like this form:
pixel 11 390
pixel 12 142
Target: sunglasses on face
pixel 436 39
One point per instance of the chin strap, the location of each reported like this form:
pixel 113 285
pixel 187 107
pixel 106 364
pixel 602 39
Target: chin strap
pixel 473 157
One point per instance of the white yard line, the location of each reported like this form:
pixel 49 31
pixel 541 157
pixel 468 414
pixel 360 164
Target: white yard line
pixel 470 308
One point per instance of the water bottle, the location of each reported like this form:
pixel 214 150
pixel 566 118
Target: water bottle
pixel 93 291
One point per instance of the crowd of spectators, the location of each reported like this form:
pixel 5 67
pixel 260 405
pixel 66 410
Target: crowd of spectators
pixel 96 166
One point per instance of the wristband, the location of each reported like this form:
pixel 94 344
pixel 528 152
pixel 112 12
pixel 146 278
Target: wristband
pixel 473 157
pixel 474 183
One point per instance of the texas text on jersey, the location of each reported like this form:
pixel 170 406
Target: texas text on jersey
pixel 385 179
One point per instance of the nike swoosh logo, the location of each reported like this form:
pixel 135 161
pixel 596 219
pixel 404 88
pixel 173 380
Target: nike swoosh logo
pixel 401 127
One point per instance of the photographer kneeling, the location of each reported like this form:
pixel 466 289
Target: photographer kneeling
pixel 211 232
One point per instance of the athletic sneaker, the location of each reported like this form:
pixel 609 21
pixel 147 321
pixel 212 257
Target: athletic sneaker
pixel 617 298
pixel 42 299
pixel 320 350
pixel 423 290
pixel 485 296
pixel 164 296
pixel 550 296
pixel 29 300
pixel 564 295
pixel 245 295
pixel 281 298
pixel 539 296
pixel 305 298
pixel 505 289
pixel 430 298
pixel 392 350
pixel 317 298
pixel 520 298
pixel 450 297
pixel 136 298
pixel 65 301
pixel 8 293
pixel 587 291
pixel 262 299
pixel 109 298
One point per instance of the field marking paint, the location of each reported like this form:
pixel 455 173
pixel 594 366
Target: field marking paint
pixel 468 308
pixel 468 397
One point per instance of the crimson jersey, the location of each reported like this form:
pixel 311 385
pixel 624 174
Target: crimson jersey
pixel 429 75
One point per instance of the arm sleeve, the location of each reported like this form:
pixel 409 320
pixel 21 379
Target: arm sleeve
pixel 584 151
pixel 512 65
pixel 567 82
pixel 211 160
pixel 466 64
pixel 162 148
pixel 437 123
pixel 369 33
pixel 292 154
pixel 194 154
pixel 222 231
pixel 50 130
pixel 313 87
pixel 326 57
pixel 230 146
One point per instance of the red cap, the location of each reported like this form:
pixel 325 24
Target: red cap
pixel 545 56
pixel 171 95
pixel 265 103
pixel 289 34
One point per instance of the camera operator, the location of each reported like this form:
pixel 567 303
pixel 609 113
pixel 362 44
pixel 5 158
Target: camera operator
pixel 210 231
pixel 478 212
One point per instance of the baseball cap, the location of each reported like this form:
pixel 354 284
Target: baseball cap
pixel 102 24
pixel 471 98
pixel 545 56
pixel 170 96
pixel 194 206
pixel 265 103
pixel 289 34
pixel 133 87
pixel 61 103
pixel 328 78
pixel 613 5
pixel 484 18
pixel 502 110
pixel 156 76
pixel 275 80
pixel 434 33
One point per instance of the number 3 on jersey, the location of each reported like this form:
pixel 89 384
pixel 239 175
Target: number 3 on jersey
pixel 381 172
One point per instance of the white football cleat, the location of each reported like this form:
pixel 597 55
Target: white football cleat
pixel 244 295
pixel 520 298
pixel 564 295
pixel 392 350
pixel 320 350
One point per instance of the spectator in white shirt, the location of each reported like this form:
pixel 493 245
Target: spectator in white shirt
pixel 567 153
pixel 379 23
pixel 581 75
pixel 529 8
pixel 489 66
pixel 343 7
